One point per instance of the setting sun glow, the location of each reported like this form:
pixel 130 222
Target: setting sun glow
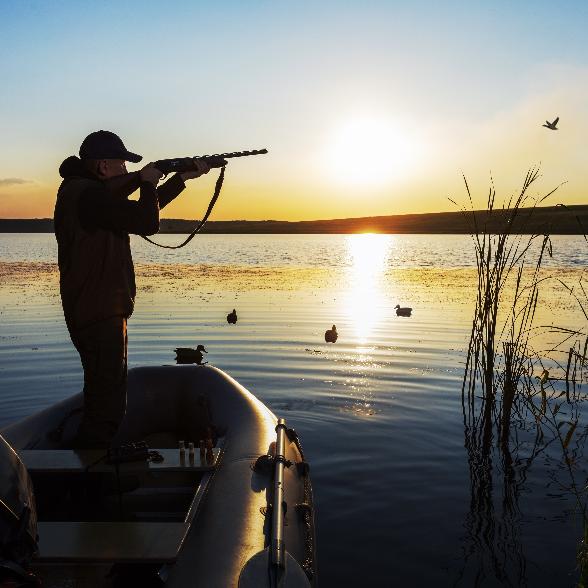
pixel 370 152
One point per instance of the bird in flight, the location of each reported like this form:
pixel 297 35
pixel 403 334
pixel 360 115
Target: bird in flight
pixel 552 125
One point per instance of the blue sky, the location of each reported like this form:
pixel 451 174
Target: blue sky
pixel 452 87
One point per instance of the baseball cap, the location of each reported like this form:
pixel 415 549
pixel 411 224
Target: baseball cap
pixel 106 145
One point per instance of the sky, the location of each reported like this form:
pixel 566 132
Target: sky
pixel 366 107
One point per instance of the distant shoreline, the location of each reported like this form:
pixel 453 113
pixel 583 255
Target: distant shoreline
pixel 554 220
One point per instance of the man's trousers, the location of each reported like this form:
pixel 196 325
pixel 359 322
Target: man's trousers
pixel 103 351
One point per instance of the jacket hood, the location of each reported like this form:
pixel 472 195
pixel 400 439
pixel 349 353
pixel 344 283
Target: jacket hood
pixel 72 166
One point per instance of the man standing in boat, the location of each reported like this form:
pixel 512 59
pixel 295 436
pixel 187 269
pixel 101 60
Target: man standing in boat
pixel 93 219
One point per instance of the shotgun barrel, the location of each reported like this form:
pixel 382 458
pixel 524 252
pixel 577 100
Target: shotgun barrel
pixel 185 164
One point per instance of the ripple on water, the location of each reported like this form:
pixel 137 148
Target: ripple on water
pixel 379 412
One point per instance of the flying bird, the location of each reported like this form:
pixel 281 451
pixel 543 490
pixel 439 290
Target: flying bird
pixel 551 125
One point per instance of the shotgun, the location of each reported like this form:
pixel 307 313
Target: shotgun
pixel 125 184
pixel 185 164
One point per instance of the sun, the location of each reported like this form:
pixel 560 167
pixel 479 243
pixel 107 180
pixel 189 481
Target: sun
pixel 370 151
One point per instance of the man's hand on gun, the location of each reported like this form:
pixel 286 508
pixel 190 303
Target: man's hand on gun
pixel 150 174
pixel 201 168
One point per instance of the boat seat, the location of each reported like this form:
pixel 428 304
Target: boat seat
pixel 114 541
pixel 104 542
pixel 70 461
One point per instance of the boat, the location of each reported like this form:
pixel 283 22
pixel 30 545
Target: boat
pixel 148 512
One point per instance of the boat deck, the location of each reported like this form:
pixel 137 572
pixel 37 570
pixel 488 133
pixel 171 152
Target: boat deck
pixel 91 511
pixel 110 542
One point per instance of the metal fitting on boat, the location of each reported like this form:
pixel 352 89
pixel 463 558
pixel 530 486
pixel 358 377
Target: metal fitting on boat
pixel 263 464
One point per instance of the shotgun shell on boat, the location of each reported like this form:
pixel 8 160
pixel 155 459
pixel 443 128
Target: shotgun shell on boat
pixel 191 452
pixel 202 451
pixel 182 452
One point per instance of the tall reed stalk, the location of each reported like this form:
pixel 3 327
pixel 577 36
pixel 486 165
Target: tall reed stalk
pixel 501 258
pixel 498 384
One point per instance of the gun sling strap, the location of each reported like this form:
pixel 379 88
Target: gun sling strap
pixel 217 189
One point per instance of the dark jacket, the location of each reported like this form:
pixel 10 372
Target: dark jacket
pixel 92 226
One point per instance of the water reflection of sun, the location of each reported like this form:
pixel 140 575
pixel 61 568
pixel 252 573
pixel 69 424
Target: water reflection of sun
pixel 365 297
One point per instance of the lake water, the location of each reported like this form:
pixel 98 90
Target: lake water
pixel 401 499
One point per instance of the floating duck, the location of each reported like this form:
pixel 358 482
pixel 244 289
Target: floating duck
pixel 232 317
pixel 331 335
pixel 551 125
pixel 400 311
pixel 189 355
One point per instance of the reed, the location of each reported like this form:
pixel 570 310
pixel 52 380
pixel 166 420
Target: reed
pixel 502 258
pixel 499 388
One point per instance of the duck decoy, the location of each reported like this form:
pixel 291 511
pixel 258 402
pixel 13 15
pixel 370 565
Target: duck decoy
pixel 331 335
pixel 232 317
pixel 400 311
pixel 189 355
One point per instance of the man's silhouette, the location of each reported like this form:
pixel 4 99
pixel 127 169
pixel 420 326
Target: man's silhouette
pixel 93 219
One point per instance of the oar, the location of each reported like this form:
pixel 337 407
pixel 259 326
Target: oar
pixel 274 567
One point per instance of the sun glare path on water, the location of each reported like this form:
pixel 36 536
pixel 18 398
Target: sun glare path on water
pixel 365 299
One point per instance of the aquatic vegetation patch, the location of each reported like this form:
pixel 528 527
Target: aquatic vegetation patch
pixel 522 385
